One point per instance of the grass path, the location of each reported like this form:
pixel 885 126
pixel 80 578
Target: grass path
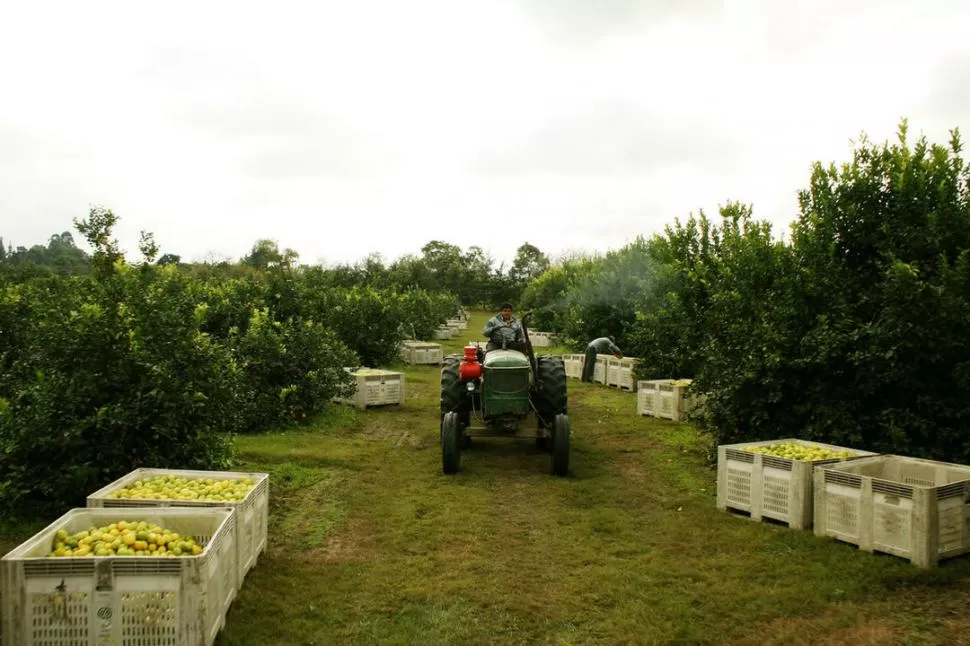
pixel 371 544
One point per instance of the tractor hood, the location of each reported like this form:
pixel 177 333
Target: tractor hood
pixel 506 359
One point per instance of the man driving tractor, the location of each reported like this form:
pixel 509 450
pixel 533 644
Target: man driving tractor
pixel 503 326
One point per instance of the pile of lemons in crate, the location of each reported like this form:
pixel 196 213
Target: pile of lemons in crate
pixel 794 451
pixel 124 538
pixel 139 538
pixel 181 488
pixel 368 372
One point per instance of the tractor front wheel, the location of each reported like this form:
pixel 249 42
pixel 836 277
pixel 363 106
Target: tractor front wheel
pixel 450 443
pixel 560 445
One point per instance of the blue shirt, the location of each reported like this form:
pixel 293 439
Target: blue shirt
pixel 497 330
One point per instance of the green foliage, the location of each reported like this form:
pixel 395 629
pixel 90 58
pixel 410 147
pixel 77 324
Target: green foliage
pixel 443 267
pixel 60 257
pixel 96 228
pixel 586 298
pixel 882 246
pixel 161 364
pixel 369 320
pixel 291 369
pixel 422 311
pixel 110 375
pixel 228 303
pixel 266 253
pixel 549 293
pixel 365 319
pixel 529 262
pixel 604 303
pixel 854 332
pixel 741 350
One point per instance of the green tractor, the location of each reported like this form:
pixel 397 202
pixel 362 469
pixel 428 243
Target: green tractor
pixel 491 394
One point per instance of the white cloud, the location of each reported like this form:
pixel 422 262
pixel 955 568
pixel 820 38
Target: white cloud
pixel 342 128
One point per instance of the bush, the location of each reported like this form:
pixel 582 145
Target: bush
pixel 373 322
pixel 883 249
pixel 422 312
pixel 155 365
pixel 605 296
pixel 229 303
pixel 115 374
pixel 853 333
pixel 291 370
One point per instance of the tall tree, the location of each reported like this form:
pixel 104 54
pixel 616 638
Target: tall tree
pixel 97 228
pixel 528 263
pixel 264 254
pixel 444 260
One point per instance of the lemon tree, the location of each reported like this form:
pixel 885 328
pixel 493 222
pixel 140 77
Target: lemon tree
pixel 172 487
pixel 124 538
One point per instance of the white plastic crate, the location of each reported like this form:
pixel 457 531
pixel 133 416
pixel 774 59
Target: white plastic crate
pixel 421 353
pixel 648 398
pixel 625 379
pixel 612 371
pixel 121 600
pixel 674 401
pixel 619 373
pixel 599 370
pixel 767 486
pixel 908 507
pixel 375 388
pixel 444 333
pixel 252 512
pixel 574 365
pixel 540 339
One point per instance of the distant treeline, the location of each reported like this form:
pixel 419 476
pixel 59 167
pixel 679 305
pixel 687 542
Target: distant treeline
pixel 470 274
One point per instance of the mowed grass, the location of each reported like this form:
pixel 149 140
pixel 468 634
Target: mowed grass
pixel 370 544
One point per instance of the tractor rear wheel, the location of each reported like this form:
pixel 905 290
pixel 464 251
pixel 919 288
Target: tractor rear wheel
pixel 560 445
pixel 450 444
pixel 549 396
pixel 454 396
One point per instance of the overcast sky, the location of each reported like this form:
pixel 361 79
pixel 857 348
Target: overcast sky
pixel 340 128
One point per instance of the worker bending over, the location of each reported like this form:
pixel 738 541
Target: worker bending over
pixel 602 345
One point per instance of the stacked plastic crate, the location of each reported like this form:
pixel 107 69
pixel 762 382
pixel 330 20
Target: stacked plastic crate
pixel 893 504
pixel 57 590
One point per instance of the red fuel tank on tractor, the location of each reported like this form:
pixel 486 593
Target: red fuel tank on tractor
pixel 470 368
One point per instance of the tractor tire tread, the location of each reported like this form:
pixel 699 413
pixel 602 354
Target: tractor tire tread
pixel 550 396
